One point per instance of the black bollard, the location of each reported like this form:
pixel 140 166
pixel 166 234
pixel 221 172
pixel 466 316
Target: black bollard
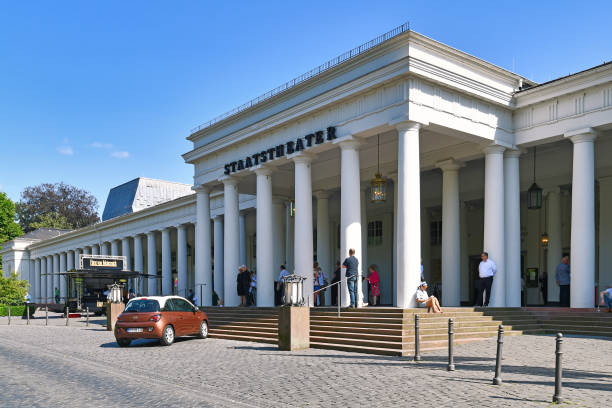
pixel 9 315
pixel 28 313
pixel 557 398
pixel 500 340
pixel 87 311
pixel 417 340
pixel 67 316
pixel 46 315
pixel 451 357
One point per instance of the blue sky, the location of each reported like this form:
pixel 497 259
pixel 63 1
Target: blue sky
pixel 96 93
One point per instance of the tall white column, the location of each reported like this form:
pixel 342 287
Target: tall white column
pixel 87 250
pixel 265 239
pixel 203 262
pixel 426 242
pixel 494 237
pixel 464 257
pixel 114 247
pixel 582 255
pixel 138 263
pixel 289 242
pixel 152 287
pixel 512 227
pixel 104 248
pixel 95 249
pixel 219 270
pixel 231 238
pixel 166 263
pixel 181 262
pixel 77 252
pixel 323 240
pixel 37 281
pixel 303 240
pixel 278 234
pixel 56 277
pixel 555 246
pixel 605 232
pixel 451 233
pixel 125 251
pixel 242 229
pixel 43 280
pixel 393 177
pixel 408 214
pixel 50 279
pixel 363 289
pixel 69 260
pixel 350 212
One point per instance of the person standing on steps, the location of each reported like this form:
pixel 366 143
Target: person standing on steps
pixel 486 271
pixel 334 289
pixel 563 278
pixel 351 264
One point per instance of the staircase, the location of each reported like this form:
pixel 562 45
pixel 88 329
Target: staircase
pixel 390 331
pixel 243 323
pixel 542 320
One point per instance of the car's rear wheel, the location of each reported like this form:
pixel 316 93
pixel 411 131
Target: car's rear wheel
pixel 167 337
pixel 124 342
pixel 203 333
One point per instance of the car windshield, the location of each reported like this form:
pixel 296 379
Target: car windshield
pixel 142 306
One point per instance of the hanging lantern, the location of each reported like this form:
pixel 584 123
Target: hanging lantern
pixel 534 194
pixel 378 192
pixel 544 240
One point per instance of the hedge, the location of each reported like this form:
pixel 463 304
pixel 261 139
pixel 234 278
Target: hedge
pixel 16 310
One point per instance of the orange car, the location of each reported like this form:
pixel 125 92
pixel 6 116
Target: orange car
pixel 160 317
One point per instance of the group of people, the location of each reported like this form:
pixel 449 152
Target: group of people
pixel 246 285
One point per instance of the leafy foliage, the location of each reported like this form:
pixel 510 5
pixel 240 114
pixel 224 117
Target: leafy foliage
pixel 51 220
pixel 9 229
pixel 12 290
pixel 62 204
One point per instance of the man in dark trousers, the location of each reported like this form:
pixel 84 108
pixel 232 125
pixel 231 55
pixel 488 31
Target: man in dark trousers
pixel 563 280
pixel 486 271
pixel 351 264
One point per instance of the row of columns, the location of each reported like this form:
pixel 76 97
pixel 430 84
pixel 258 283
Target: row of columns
pixel 47 268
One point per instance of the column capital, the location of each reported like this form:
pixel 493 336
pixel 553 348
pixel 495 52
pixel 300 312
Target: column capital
pixel 262 170
pixel 581 135
pixel 348 143
pixel 303 158
pixel 180 225
pixel 493 149
pixel 552 190
pixel 450 165
pixel 201 188
pixel 513 153
pixel 322 194
pixel 403 124
pixel 218 218
pixel 229 181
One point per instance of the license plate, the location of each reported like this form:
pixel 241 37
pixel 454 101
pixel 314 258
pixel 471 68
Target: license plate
pixel 135 330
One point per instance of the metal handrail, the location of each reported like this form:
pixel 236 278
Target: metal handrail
pixel 310 74
pixel 338 300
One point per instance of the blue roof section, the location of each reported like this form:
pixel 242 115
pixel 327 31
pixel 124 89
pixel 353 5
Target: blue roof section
pixel 120 200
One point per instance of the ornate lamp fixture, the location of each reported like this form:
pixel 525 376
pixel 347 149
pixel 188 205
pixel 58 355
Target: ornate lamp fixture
pixel 544 240
pixel 379 184
pixel 534 194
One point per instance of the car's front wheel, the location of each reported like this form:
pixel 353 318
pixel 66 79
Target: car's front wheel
pixel 124 342
pixel 167 337
pixel 203 333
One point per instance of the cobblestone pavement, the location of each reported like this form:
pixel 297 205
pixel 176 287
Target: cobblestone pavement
pixel 80 366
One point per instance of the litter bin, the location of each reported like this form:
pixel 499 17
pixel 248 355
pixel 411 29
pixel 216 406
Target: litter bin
pixel 294 290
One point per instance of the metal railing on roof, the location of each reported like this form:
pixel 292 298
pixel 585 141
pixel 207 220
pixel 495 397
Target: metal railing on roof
pixel 310 74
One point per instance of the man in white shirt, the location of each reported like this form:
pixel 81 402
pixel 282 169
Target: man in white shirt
pixel 280 285
pixel 486 271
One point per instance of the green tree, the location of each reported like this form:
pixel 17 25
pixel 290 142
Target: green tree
pixel 12 290
pixel 51 220
pixel 9 229
pixel 77 207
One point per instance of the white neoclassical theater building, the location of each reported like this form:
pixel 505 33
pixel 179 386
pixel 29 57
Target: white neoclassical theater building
pixel 288 179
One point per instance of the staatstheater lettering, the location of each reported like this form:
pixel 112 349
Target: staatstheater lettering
pixel 292 146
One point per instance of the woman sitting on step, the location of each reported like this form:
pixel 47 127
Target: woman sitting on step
pixel 424 300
